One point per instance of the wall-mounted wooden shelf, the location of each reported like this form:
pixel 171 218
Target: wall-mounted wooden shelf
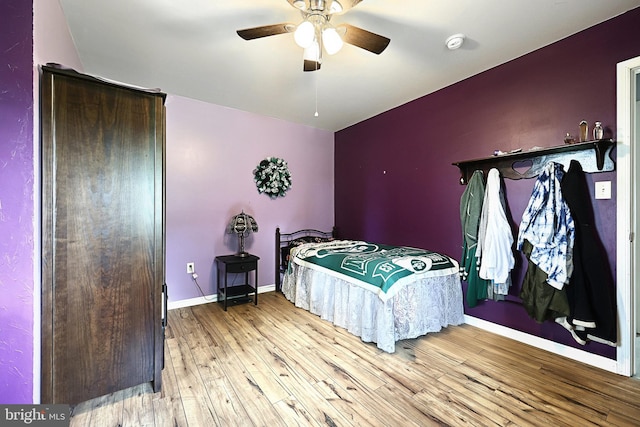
pixel 594 156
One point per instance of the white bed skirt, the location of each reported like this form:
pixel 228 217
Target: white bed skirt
pixel 425 306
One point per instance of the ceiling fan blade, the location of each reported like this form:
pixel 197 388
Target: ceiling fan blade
pixel 364 39
pixel 310 65
pixel 265 31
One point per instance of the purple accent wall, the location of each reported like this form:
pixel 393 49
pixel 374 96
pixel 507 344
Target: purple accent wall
pixel 395 182
pixel 16 202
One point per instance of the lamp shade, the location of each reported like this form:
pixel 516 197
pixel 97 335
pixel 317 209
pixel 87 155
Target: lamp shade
pixel 331 40
pixel 312 52
pixel 300 4
pixel 336 7
pixel 242 224
pixel 304 34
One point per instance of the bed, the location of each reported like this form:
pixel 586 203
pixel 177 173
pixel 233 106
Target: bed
pixel 409 292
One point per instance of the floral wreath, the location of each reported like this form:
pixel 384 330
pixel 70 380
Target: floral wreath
pixel 272 177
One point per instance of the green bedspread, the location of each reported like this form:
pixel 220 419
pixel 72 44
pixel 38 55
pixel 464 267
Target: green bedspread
pixel 375 266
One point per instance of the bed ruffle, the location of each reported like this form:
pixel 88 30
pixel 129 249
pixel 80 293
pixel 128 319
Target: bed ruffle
pixel 424 306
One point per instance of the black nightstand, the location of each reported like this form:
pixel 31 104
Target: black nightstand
pixel 236 264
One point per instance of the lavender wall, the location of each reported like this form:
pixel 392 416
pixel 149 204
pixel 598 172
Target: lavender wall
pixel 52 40
pixel 394 178
pixel 211 153
pixel 16 203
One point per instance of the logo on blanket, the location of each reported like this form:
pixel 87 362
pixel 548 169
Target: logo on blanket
pixel 415 264
pixel 359 258
pixel 418 265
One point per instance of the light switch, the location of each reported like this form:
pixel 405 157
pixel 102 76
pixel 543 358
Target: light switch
pixel 603 190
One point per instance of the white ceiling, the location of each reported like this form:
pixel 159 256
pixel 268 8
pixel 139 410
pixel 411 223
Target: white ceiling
pixel 190 48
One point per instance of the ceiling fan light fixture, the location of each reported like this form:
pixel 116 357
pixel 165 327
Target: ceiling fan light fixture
pixel 336 7
pixel 304 34
pixel 331 40
pixel 300 4
pixel 316 31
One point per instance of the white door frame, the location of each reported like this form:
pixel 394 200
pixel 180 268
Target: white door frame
pixel 626 222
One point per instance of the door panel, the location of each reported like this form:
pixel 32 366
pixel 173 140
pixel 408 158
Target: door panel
pixel 101 282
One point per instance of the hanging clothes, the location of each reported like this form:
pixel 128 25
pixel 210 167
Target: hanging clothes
pixel 541 301
pixel 548 225
pixel 590 291
pixel 495 238
pixel 470 210
pixel 546 237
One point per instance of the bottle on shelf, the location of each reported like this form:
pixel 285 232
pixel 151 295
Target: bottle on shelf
pixel 584 131
pixel 568 139
pixel 598 132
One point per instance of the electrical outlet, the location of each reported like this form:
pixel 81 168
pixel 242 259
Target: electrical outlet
pixel 191 267
pixel 603 190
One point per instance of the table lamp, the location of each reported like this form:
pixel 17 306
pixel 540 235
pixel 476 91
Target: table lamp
pixel 242 224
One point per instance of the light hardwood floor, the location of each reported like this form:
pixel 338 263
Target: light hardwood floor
pixel 276 365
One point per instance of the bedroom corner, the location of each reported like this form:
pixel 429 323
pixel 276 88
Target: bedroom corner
pixel 530 101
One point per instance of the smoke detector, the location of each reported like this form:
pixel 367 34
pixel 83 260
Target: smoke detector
pixel 455 41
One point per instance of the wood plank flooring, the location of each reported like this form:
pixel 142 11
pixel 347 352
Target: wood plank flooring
pixel 276 365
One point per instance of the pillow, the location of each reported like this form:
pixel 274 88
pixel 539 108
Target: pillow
pixel 286 250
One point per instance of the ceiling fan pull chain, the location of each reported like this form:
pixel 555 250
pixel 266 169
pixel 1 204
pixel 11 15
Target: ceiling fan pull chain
pixel 316 81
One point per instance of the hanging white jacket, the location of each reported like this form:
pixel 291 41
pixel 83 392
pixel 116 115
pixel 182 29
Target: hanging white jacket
pixel 495 240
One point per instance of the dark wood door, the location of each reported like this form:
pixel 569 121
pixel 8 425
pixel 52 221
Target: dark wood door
pixel 103 251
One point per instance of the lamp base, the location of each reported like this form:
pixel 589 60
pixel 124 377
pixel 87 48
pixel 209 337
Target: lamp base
pixel 243 254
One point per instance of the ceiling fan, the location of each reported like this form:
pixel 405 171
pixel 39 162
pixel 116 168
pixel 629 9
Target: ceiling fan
pixel 316 32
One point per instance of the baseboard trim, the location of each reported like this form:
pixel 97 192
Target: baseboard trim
pixel 172 305
pixel 544 344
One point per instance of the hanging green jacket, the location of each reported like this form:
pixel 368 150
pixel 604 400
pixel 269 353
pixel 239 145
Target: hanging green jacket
pixel 470 211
